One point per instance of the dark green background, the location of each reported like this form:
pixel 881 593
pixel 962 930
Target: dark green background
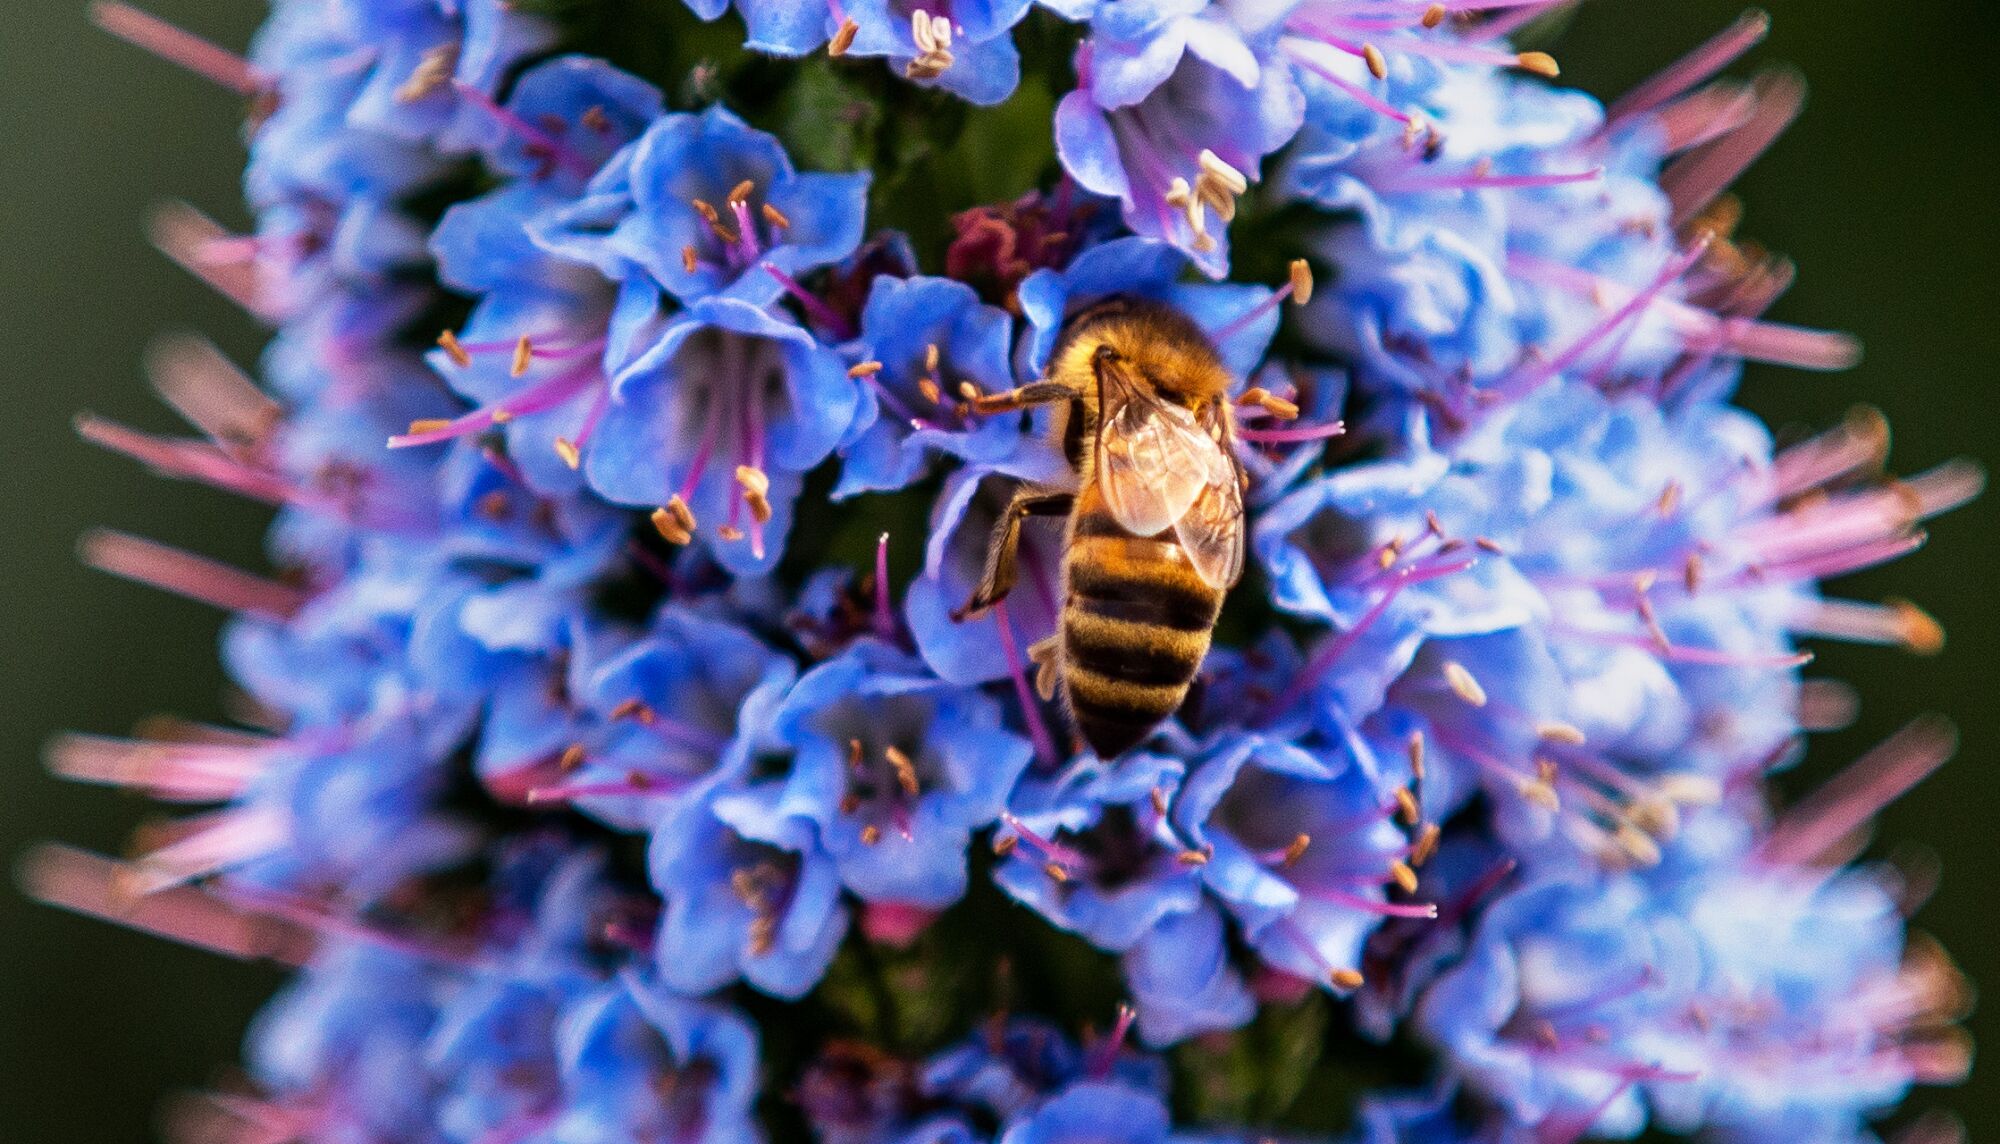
pixel 1886 195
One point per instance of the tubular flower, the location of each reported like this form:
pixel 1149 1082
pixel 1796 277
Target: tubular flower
pixel 617 752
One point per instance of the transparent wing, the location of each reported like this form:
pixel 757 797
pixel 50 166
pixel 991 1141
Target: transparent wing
pixel 1211 533
pixel 1153 461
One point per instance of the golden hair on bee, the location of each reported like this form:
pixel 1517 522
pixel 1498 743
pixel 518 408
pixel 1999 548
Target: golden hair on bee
pixel 1153 523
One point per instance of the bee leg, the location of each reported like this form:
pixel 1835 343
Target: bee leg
pixel 999 577
pixel 1034 393
pixel 1045 654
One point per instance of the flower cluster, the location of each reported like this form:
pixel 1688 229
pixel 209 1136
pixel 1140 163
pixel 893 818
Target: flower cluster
pixel 618 760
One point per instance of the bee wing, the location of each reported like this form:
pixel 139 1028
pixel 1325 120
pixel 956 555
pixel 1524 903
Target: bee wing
pixel 1211 533
pixel 1153 462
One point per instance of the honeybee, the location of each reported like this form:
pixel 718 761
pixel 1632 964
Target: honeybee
pixel 1153 539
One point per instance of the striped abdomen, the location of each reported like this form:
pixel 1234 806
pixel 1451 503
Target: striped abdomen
pixel 1136 623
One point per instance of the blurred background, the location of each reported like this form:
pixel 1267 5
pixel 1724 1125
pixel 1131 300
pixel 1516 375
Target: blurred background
pixel 1884 195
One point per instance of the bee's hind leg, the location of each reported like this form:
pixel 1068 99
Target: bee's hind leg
pixel 1000 555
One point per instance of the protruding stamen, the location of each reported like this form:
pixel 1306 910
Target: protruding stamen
pixel 1694 180
pixel 1697 66
pixel 885 615
pixel 214 396
pixel 1553 731
pixel 1817 824
pixel 102 888
pixel 187 236
pixel 149 33
pixel 1894 623
pixel 185 574
pixel 430 75
pixel 453 349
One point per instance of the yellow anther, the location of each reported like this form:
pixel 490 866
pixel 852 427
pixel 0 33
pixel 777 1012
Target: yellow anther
pixel 843 38
pixel 1302 282
pixel 1377 66
pixel 775 217
pixel 1555 731
pixel 428 425
pixel 741 192
pixel 449 343
pixel 570 454
pixel 1346 979
pixel 524 355
pixel 1404 877
pixel 1463 684
pixel 1540 63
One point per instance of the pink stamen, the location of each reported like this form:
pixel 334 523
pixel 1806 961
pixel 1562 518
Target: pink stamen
pixel 1475 181
pixel 1695 180
pixel 185 574
pixel 1241 322
pixel 178 46
pixel 1417 911
pixel 210 843
pixel 1355 91
pixel 185 235
pixel 1534 378
pixel 321 918
pixel 1705 116
pixel 1048 848
pixel 1104 1054
pixel 552 146
pixel 1340 644
pixel 103 888
pixel 1850 800
pixel 198 461
pixel 535 399
pixel 885 616
pixel 1031 711
pixel 815 308
pixel 1293 433
pixel 214 396
pixel 1680 653
pixel 1692 69
pixel 168 771
pixel 570 792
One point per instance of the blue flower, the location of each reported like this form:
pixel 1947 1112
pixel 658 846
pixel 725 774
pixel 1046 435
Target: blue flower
pixel 1182 981
pixel 961 529
pixel 630 729
pixel 765 907
pixel 1173 116
pixel 348 1037
pixel 640 1061
pixel 930 335
pixel 724 412
pixel 1232 315
pixel 668 209
pixel 1298 848
pixel 976 61
pixel 777 28
pixel 1564 1004
pixel 1093 1112
pixel 1093 851
pixel 891 769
